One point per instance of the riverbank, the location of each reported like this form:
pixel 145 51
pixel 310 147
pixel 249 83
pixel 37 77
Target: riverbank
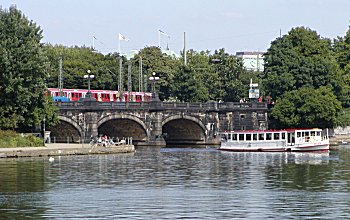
pixel 63 149
pixel 339 139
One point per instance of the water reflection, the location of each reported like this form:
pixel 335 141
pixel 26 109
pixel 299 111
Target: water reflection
pixel 169 183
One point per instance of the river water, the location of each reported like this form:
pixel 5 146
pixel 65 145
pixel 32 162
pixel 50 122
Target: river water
pixel 178 183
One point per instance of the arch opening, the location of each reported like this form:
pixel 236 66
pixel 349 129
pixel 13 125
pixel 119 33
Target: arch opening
pixel 123 128
pixel 64 132
pixel 183 131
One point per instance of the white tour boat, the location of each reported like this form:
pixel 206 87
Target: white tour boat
pixel 276 140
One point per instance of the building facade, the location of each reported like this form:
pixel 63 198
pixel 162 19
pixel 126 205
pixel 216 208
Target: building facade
pixel 252 60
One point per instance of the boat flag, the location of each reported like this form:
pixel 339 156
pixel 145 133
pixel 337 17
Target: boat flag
pixel 162 32
pixel 122 37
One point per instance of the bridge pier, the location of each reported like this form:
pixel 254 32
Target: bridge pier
pixel 156 137
pixel 90 126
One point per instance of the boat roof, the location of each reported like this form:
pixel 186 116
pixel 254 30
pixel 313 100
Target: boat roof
pixel 273 131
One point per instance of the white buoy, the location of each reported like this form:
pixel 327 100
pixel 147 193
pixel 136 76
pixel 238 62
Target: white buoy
pixel 51 159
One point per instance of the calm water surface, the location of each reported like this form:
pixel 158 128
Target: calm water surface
pixel 178 183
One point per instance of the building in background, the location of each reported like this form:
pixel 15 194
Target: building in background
pixel 252 60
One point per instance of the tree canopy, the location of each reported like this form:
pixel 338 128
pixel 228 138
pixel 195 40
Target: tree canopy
pixel 300 59
pixel 306 107
pixel 23 71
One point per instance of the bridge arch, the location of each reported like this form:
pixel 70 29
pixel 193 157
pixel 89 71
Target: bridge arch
pixel 67 130
pixel 184 129
pixel 119 126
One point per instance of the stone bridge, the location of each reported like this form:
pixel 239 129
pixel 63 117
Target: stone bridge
pixel 155 123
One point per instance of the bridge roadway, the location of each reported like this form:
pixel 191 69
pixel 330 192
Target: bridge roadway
pixel 155 123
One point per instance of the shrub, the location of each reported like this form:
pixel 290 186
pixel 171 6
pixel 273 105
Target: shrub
pixel 12 139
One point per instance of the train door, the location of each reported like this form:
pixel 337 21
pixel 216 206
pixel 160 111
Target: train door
pixel 138 98
pixel 126 97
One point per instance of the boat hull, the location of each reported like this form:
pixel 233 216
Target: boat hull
pixel 266 146
pixel 296 140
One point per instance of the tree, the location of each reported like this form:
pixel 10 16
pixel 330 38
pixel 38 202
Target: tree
pixel 191 82
pixel 23 72
pixel 165 67
pixel 229 86
pixel 75 63
pixel 306 107
pixel 341 47
pixel 300 59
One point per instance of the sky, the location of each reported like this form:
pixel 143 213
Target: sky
pixel 235 25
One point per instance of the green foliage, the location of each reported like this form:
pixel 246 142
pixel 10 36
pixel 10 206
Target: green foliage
pixel 341 49
pixel 211 77
pixel 191 81
pixel 228 85
pixel 23 72
pixel 12 139
pixel 165 67
pixel 75 63
pixel 343 118
pixel 306 107
pixel 300 59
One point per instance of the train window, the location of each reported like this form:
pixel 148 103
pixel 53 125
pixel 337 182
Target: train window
pixel 248 137
pixel 268 136
pixel 234 137
pixel 261 136
pixel 283 136
pixel 255 137
pixel 276 136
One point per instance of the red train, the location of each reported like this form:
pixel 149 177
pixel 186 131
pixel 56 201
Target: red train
pixel 101 95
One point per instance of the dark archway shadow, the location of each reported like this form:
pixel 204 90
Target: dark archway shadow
pixel 183 132
pixel 123 128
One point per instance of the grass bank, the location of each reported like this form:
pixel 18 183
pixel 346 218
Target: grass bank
pixel 13 139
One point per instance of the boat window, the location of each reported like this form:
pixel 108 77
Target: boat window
pixel 234 137
pixel 276 136
pixel 261 137
pixel 298 134
pixel 307 133
pixel 283 136
pixel 248 137
pixel 241 137
pixel 312 133
pixel 268 136
pixel 229 137
pixel 255 137
pixel 224 137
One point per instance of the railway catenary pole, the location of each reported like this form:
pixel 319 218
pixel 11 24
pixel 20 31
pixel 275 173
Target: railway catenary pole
pixel 129 81
pixel 60 78
pixel 120 84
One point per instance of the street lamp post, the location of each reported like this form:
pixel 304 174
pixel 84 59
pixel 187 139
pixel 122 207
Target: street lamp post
pixel 44 135
pixel 154 78
pixel 89 76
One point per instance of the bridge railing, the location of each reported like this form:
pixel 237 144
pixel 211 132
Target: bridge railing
pixel 209 106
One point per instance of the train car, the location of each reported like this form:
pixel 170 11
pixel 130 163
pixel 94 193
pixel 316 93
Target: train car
pixel 102 95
